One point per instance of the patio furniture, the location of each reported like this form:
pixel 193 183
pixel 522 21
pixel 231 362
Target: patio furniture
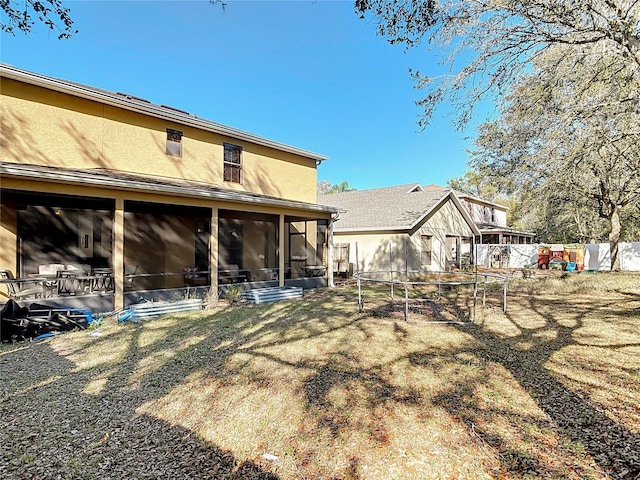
pixel 129 278
pixel 22 287
pixel 315 270
pixel 49 270
pixel 68 283
pixel 232 275
pixel 101 280
pixel 194 277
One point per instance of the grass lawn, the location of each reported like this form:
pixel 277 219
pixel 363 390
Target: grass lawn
pixel 312 389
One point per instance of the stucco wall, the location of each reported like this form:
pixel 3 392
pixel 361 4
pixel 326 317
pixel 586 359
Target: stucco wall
pixel 44 127
pixel 385 250
pixel 481 213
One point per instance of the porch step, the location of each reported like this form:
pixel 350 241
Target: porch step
pixel 271 294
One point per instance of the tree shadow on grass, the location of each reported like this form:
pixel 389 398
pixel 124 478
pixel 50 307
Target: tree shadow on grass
pixel 124 413
pixel 70 414
pixel 54 426
pixel 526 355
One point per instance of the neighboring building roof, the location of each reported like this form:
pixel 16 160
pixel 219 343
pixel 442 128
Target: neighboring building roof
pixel 135 182
pixel 487 228
pixel 401 207
pixel 467 196
pixel 140 105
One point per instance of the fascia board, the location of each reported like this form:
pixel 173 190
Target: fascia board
pixel 448 195
pixel 396 228
pixel 78 178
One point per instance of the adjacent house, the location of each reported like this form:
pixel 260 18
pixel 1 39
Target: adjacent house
pixel 490 218
pixel 150 196
pixel 405 226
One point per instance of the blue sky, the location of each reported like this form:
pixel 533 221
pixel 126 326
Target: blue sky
pixel 308 74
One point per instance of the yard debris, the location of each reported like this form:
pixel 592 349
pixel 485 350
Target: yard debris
pixel 270 457
pixel 38 322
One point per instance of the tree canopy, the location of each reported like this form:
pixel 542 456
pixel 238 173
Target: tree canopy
pixel 567 143
pixel 325 187
pixel 21 16
pixel 487 45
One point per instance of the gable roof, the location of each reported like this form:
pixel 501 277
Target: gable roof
pixel 401 207
pixel 468 197
pixel 142 106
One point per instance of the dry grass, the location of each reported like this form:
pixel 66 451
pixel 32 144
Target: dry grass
pixel 548 390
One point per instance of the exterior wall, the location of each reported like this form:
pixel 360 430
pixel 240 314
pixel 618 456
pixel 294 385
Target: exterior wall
pixel 597 256
pixel 400 250
pixel 481 213
pixel 43 127
pixel 373 250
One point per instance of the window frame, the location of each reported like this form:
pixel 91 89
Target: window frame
pixel 173 146
pixel 426 253
pixel 229 165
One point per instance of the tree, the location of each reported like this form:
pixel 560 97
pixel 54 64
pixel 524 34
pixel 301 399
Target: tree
pixel 474 182
pixel 568 141
pixel 325 186
pixel 489 44
pixel 20 15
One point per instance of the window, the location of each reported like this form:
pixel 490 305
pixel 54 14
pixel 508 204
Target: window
pixel 174 142
pixel 493 215
pixel 425 249
pixel 232 163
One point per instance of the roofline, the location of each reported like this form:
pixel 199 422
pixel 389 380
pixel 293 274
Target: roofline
pixel 337 229
pixel 448 194
pixel 132 104
pixel 480 200
pixel 101 180
pixel 492 230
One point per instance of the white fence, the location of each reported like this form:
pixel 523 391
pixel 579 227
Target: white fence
pixel 597 256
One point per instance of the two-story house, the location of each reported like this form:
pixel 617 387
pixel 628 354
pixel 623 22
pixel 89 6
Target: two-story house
pixel 149 195
pixel 490 218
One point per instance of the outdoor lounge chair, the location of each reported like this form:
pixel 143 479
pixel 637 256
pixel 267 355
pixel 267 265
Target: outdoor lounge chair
pixel 20 289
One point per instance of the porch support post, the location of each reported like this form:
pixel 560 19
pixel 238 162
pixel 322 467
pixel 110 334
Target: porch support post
pixel 213 254
pixel 118 254
pixel 281 251
pixel 330 259
pixel 9 239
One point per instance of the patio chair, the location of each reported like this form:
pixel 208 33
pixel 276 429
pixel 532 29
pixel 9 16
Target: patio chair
pixel 67 283
pixel 18 289
pixel 50 270
pixel 129 278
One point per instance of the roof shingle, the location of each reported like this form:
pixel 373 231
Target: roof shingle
pixel 390 208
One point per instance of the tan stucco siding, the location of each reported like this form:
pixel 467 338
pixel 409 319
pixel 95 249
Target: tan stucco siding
pixel 44 127
pixel 373 249
pixel 379 250
pixel 485 213
pixel 449 220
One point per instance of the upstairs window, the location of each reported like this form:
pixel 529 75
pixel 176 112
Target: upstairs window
pixel 174 142
pixel 232 163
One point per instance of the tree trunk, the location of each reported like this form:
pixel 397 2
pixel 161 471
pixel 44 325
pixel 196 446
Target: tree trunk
pixel 614 239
